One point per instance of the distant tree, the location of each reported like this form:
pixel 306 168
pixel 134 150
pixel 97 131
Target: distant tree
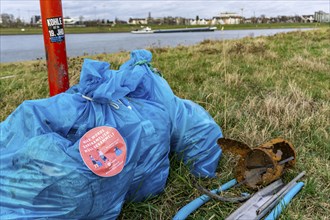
pixel 91 23
pixel 283 18
pixel 297 18
pixel 118 21
pixel 169 20
pixel 18 22
pixel 197 18
pixel 7 19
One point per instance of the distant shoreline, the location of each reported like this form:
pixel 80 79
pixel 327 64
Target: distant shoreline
pixel 84 44
pixel 129 28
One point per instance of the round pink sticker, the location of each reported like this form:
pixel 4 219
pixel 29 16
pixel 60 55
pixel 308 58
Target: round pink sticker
pixel 103 150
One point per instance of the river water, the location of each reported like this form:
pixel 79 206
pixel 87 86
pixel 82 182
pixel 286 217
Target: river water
pixel 30 47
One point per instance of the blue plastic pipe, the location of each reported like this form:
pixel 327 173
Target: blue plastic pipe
pixel 195 204
pixel 284 202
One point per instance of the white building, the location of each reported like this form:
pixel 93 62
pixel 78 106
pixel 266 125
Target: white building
pixel 307 18
pixel 202 21
pixel 227 18
pixel 321 16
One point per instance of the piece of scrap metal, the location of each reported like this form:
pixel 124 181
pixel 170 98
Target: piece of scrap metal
pixel 260 165
pixel 269 204
pixel 275 213
pixel 185 211
pixel 248 209
pixel 266 199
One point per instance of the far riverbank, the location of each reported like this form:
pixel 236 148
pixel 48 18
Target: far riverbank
pixel 129 28
pixel 31 47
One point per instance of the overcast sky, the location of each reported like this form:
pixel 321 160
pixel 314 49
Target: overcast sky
pixel 108 9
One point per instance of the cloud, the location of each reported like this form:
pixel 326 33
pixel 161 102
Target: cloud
pixel 125 9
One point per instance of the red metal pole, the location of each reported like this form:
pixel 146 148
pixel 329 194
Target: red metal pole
pixel 53 31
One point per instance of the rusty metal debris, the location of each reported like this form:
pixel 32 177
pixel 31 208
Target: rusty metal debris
pixel 215 196
pixel 263 164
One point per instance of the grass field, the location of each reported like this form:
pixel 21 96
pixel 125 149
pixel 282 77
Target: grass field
pixel 255 88
pixel 128 28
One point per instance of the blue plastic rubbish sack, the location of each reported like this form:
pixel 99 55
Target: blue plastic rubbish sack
pixel 152 168
pixel 194 133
